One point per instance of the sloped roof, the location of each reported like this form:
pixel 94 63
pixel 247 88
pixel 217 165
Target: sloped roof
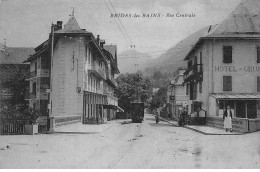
pixel 112 49
pixel 15 55
pixel 243 21
pixel 72 27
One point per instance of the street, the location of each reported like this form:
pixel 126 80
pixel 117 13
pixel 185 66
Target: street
pixel 132 145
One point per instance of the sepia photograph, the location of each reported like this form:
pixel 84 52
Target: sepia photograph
pixel 129 84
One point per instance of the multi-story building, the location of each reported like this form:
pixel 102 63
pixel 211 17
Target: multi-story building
pixel 177 94
pixel 224 69
pixel 72 74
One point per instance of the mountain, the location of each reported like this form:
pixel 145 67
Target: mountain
pixel 173 59
pixel 126 62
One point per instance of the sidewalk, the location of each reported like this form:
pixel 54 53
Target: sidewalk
pixel 79 128
pixel 206 130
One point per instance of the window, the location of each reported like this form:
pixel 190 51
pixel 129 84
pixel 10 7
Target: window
pixel 227 83
pixel 227 54
pixel 258 84
pixel 258 55
pixel 35 67
pixel 200 57
pixel 187 89
pixel 34 88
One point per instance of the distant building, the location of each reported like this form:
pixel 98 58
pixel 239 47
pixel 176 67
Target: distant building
pixel 177 96
pixel 11 62
pixel 224 69
pixel 72 76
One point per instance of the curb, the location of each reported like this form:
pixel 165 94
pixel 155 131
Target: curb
pixel 198 131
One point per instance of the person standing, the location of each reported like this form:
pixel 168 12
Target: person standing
pixel 228 119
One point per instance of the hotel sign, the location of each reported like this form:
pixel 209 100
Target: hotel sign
pixel 237 69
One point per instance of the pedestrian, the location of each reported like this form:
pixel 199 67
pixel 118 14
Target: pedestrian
pixel 228 119
pixel 156 117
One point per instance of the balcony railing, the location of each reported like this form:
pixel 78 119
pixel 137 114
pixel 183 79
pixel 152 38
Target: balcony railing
pixel 111 80
pixel 40 73
pixel 96 70
pixel 193 74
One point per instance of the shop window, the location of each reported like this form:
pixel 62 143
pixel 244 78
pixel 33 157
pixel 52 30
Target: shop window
pixel 258 84
pixel 251 109
pixel 227 54
pixel 240 109
pixel 258 54
pixel 227 83
pixel 222 105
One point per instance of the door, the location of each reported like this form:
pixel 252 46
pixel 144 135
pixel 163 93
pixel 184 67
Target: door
pixel 240 109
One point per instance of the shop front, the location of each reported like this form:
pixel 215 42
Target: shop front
pixel 245 110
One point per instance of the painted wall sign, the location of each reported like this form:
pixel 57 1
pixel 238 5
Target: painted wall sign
pixel 236 69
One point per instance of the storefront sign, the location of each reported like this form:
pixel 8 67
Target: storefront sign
pixel 237 69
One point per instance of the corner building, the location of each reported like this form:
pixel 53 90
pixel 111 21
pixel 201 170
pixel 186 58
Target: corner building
pixel 224 69
pixel 74 71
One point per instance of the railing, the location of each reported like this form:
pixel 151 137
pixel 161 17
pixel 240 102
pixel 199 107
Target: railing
pixel 195 73
pixel 111 79
pixel 94 67
pixel 40 73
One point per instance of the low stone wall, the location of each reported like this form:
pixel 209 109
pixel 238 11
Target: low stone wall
pixel 254 125
pixel 66 120
pixel 238 124
pixel 197 121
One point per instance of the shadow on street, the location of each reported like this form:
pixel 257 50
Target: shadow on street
pixel 159 124
pixel 150 119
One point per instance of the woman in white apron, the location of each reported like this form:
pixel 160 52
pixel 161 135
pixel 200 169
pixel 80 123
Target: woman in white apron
pixel 228 119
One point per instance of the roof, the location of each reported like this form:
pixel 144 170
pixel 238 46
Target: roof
pixel 72 27
pixel 236 96
pixel 245 19
pixel 242 23
pixel 112 49
pixel 15 55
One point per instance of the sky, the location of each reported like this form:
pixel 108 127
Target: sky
pixel 27 23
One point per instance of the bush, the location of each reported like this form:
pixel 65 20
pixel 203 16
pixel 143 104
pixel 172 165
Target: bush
pixel 19 114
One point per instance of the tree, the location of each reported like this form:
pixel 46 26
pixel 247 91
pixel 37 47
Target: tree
pixel 159 98
pixel 133 87
pixel 13 83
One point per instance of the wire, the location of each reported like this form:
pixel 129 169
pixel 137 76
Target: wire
pixel 117 22
pixel 121 23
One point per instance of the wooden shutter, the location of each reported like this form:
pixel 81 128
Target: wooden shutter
pixel 227 54
pixel 258 54
pixel 258 84
pixel 227 83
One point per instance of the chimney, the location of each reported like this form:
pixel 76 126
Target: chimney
pixel 102 42
pixel 59 25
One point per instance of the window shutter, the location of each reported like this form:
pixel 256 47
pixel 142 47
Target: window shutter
pixel 258 84
pixel 227 83
pixel 258 54
pixel 227 54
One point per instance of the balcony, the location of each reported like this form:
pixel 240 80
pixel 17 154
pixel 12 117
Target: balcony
pixel 193 74
pixel 40 73
pixel 97 71
pixel 111 81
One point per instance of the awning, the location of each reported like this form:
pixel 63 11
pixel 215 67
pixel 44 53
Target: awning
pixel 236 96
pixel 120 109
pixel 109 107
